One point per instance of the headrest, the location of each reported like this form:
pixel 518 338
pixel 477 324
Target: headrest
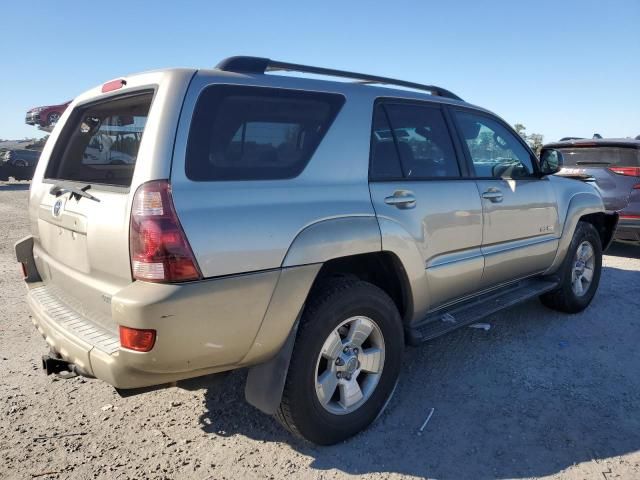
pixel 470 128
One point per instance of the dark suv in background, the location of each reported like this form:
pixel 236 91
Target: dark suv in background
pixel 19 164
pixel 612 165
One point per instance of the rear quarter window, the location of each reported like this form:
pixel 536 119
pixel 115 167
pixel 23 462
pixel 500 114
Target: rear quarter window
pixel 255 133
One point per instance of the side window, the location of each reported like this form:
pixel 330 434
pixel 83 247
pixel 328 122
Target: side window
pixel 385 164
pixel 254 133
pixel 494 150
pixel 423 141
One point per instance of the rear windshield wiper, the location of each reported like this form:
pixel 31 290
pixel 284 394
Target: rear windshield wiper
pixel 586 162
pixel 59 189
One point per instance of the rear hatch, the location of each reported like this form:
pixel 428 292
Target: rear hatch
pixel 80 206
pixel 611 169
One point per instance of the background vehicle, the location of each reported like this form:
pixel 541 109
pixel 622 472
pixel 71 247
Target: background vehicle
pixel 307 229
pixel 19 164
pixel 45 116
pixel 612 165
pixel 22 158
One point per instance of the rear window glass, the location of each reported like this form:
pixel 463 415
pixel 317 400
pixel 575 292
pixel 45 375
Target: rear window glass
pixel 100 142
pixel 624 157
pixel 253 133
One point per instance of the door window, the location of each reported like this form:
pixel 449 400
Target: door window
pixel 418 136
pixel 385 164
pixel 494 150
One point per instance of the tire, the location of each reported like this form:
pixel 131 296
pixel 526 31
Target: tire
pixel 565 298
pixel 52 118
pixel 334 306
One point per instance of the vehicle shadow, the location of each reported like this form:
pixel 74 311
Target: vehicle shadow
pixel 624 249
pixel 537 393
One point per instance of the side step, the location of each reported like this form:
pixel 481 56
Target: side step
pixel 470 311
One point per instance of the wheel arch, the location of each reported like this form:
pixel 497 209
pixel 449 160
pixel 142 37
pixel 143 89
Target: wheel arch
pixel 383 269
pixel 582 205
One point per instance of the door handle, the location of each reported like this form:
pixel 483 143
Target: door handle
pixel 494 195
pixel 402 199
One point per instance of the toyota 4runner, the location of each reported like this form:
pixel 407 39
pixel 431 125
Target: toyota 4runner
pixel 188 222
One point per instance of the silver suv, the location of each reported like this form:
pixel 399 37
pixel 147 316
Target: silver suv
pixel 188 222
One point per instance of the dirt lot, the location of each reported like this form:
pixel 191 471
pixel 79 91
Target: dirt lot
pixel 538 395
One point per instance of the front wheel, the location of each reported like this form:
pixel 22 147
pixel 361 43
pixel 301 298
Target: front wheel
pixel 345 362
pixel 580 272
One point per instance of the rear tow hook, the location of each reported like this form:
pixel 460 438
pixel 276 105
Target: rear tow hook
pixel 53 364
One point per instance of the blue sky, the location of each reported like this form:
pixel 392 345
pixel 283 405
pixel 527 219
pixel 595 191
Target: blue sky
pixel 559 67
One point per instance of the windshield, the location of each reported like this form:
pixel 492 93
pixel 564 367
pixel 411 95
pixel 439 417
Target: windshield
pixel 100 143
pixel 618 156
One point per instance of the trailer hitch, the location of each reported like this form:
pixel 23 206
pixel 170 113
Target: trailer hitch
pixel 56 365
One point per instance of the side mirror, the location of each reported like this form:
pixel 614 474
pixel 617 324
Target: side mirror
pixel 550 162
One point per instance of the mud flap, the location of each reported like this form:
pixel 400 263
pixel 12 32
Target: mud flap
pixel 265 382
pixel 24 255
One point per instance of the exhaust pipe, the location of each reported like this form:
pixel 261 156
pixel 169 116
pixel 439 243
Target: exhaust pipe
pixel 56 365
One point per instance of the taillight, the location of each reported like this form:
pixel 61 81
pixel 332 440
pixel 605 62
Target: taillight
pixel 158 246
pixel 628 171
pixel 137 339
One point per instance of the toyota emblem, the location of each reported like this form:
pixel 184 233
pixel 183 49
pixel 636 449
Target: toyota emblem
pixel 57 208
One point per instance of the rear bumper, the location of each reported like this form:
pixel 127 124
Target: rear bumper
pixel 628 229
pixel 202 327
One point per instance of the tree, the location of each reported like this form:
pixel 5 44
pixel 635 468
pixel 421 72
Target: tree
pixel 520 129
pixel 534 140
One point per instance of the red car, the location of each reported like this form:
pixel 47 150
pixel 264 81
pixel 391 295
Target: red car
pixel 45 116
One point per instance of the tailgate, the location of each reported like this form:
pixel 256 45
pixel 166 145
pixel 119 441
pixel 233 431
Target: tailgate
pixel 80 210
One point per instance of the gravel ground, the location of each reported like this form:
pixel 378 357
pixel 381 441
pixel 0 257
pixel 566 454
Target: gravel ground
pixel 538 395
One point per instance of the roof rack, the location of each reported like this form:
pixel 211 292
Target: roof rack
pixel 263 65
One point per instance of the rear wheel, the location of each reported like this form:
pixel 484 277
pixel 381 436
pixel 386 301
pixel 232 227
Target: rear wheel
pixel 53 118
pixel 580 272
pixel 345 362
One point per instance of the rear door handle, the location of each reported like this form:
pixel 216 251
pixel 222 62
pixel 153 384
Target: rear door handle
pixel 494 195
pixel 402 199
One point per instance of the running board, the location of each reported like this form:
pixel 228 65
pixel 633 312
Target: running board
pixel 470 311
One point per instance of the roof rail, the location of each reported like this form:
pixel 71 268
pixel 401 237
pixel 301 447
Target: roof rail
pixel 263 65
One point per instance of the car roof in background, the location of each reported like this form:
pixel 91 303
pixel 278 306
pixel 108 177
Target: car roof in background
pixel 595 142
